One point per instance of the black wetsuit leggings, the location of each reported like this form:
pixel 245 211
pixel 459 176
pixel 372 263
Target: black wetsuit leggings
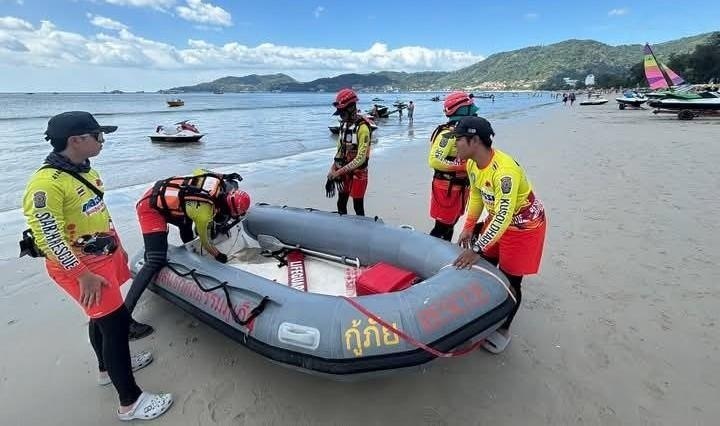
pixel 358 204
pixel 515 282
pixel 443 230
pixel 156 247
pixel 109 339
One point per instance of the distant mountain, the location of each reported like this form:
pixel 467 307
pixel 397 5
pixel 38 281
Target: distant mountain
pixel 530 67
pixel 252 82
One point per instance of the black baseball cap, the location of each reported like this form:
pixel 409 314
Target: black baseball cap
pixel 471 126
pixel 74 123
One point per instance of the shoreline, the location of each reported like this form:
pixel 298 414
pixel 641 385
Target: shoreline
pixel 619 327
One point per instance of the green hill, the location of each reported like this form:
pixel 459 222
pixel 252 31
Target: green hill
pixel 530 67
pixel 252 82
pixel 534 65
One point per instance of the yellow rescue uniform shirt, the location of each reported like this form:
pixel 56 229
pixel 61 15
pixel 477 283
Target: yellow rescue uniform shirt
pixel 60 209
pixel 503 189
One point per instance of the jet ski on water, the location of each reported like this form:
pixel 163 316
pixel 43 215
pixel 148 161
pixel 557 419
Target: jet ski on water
pixel 335 295
pixel 183 132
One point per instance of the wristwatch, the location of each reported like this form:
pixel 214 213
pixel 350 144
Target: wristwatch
pixel 476 248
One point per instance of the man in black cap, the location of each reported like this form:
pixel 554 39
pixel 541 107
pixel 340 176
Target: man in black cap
pixel 71 227
pixel 66 132
pixel 513 234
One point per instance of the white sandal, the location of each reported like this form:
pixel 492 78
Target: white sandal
pixel 496 342
pixel 148 406
pixel 138 361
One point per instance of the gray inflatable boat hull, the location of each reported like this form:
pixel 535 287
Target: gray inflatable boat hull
pixel 325 334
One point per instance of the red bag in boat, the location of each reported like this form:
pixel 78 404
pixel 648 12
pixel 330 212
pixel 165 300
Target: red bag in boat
pixel 384 278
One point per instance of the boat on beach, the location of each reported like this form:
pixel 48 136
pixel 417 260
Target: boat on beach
pixel 336 296
pixel 175 102
pixel 631 99
pixel 599 101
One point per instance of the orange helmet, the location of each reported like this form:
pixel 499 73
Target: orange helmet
pixel 238 202
pixel 344 98
pixel 455 100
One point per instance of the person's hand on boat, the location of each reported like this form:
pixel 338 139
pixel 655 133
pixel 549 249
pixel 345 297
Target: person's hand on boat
pixel 464 238
pixel 466 259
pixel 91 288
pixel 221 257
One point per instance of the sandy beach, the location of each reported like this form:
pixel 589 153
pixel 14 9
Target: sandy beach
pixel 619 328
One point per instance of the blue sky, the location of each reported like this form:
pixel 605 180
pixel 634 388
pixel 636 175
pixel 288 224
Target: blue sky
pixel 152 44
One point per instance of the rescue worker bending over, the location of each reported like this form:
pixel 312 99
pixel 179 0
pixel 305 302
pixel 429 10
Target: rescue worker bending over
pixel 205 199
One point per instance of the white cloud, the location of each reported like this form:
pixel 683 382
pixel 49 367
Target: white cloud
pixel 618 12
pixel 154 4
pixel 204 13
pixel 16 24
pixel 318 11
pixel 47 46
pixel 11 43
pixel 107 23
pixel 531 16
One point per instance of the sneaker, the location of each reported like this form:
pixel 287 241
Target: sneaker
pixel 138 361
pixel 139 330
pixel 148 406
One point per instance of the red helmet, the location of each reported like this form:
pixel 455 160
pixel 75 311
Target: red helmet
pixel 344 98
pixel 238 202
pixel 455 100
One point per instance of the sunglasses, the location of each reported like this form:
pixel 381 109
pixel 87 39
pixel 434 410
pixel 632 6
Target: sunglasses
pixel 98 136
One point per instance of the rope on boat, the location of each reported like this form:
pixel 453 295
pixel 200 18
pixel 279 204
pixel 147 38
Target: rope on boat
pixel 257 310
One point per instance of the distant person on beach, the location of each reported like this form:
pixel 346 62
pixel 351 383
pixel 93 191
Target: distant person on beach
pixel 449 190
pixel 349 170
pixel 205 199
pixel 572 98
pixel 565 98
pixel 411 111
pixel 513 234
pixel 71 227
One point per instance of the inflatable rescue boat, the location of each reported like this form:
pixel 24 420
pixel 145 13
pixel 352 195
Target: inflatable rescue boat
pixel 340 296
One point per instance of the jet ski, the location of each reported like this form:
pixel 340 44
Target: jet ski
pixel 707 103
pixel 183 132
pixel 631 99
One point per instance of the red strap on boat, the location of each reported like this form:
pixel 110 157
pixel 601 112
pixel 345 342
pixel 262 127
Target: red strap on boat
pixel 410 339
pixel 297 278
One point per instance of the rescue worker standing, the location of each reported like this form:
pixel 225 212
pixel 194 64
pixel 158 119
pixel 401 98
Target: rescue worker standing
pixel 350 165
pixel 204 199
pixel 449 192
pixel 513 234
pixel 71 227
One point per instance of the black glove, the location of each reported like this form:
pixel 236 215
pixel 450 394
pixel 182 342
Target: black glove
pixel 221 257
pixel 330 188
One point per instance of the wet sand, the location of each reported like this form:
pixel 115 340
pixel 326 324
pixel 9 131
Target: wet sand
pixel 619 328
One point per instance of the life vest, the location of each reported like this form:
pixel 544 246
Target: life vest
pixel 455 178
pixel 349 143
pixel 170 195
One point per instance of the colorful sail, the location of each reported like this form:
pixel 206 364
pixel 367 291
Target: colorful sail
pixel 676 79
pixel 658 75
